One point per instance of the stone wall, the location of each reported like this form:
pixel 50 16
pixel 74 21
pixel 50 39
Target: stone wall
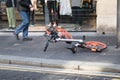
pixel 106 16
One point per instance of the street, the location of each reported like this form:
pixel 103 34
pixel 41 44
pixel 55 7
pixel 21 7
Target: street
pixel 22 75
pixel 21 72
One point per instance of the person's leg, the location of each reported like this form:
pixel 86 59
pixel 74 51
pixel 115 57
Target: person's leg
pixel 22 25
pixel 55 14
pixel 74 19
pixel 24 22
pixel 25 29
pixel 49 5
pixel 8 17
pixel 12 16
pixel 32 16
pixel 55 19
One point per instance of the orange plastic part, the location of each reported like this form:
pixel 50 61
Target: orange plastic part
pixel 61 33
pixel 95 45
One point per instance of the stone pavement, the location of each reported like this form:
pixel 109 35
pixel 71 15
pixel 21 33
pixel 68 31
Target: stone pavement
pixel 41 27
pixel 57 55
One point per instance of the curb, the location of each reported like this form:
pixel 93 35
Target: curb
pixel 61 64
pixel 9 33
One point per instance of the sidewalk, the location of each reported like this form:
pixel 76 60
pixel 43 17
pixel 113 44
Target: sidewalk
pixel 57 54
pixel 41 27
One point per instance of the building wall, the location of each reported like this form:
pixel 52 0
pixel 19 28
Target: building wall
pixel 106 16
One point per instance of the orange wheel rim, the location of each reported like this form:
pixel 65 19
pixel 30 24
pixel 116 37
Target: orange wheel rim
pixel 95 44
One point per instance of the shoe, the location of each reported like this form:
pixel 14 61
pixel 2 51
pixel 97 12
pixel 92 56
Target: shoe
pixel 16 36
pixel 12 28
pixel 32 25
pixel 49 25
pixel 27 39
pixel 54 25
pixel 9 27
